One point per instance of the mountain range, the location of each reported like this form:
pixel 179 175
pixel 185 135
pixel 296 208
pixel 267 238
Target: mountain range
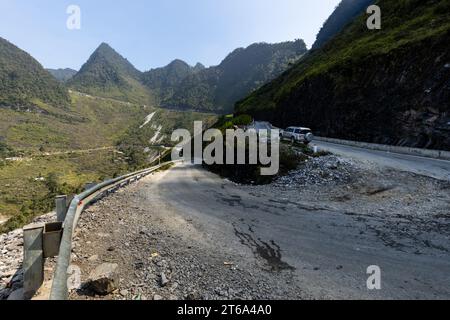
pixel 387 86
pixel 180 86
pixel 241 72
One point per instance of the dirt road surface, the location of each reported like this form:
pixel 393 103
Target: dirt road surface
pixel 214 239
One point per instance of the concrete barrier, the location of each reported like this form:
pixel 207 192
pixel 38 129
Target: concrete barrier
pixel 428 153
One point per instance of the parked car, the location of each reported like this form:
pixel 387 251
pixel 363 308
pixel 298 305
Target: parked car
pixel 298 134
pixel 263 129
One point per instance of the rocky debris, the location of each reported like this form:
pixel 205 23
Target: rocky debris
pixel 164 280
pixel 11 249
pixel 93 258
pixel 319 171
pixel 104 279
pixel 124 293
pixel 152 238
pixel 406 211
pixel 160 257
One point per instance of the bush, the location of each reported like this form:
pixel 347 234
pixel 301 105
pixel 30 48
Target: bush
pixel 242 120
pixel 289 160
pixel 5 150
pixel 51 181
pixel 228 122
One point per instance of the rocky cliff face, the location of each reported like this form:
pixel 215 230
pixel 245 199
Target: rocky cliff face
pixel 402 98
pixel 391 87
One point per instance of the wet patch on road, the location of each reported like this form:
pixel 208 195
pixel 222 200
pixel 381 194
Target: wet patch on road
pixel 270 252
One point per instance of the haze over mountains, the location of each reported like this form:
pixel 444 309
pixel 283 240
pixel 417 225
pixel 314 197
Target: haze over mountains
pixel 62 75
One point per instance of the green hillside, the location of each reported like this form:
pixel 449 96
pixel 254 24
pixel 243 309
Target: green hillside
pixel 108 74
pixel 386 86
pixel 241 72
pixel 57 151
pixel 24 82
pixel 163 82
pixel 183 87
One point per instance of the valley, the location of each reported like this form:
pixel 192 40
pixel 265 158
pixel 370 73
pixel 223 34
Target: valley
pixel 92 140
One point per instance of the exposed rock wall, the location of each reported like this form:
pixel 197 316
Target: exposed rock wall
pixel 400 98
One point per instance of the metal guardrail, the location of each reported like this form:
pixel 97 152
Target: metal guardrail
pixel 59 289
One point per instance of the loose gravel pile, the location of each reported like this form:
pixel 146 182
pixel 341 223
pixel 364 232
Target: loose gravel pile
pixel 319 171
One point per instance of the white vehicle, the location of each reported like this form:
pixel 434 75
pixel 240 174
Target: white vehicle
pixel 298 134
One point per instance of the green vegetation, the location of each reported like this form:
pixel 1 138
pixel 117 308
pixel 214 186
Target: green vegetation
pixel 62 75
pixel 107 74
pixel 370 85
pixel 182 87
pixel 29 184
pixel 51 143
pixel 251 174
pixel 290 159
pixel 28 187
pixel 87 123
pixel 404 22
pixel 242 71
pixel 141 142
pixel 23 80
pixel 5 150
pixel 229 121
pixel 163 82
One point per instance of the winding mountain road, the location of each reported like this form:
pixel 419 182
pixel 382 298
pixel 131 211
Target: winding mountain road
pixel 312 251
pixel 435 168
pixel 294 247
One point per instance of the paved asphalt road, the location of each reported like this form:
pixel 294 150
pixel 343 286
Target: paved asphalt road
pixel 439 169
pixel 328 251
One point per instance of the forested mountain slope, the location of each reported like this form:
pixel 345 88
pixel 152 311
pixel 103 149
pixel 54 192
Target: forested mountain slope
pixel 24 82
pixel 108 74
pixel 388 86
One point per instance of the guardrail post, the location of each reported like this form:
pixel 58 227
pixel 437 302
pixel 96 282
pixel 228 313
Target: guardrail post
pixel 61 208
pixel 33 259
pixel 52 239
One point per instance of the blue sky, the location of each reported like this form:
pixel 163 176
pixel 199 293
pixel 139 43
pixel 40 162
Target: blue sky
pixel 151 33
